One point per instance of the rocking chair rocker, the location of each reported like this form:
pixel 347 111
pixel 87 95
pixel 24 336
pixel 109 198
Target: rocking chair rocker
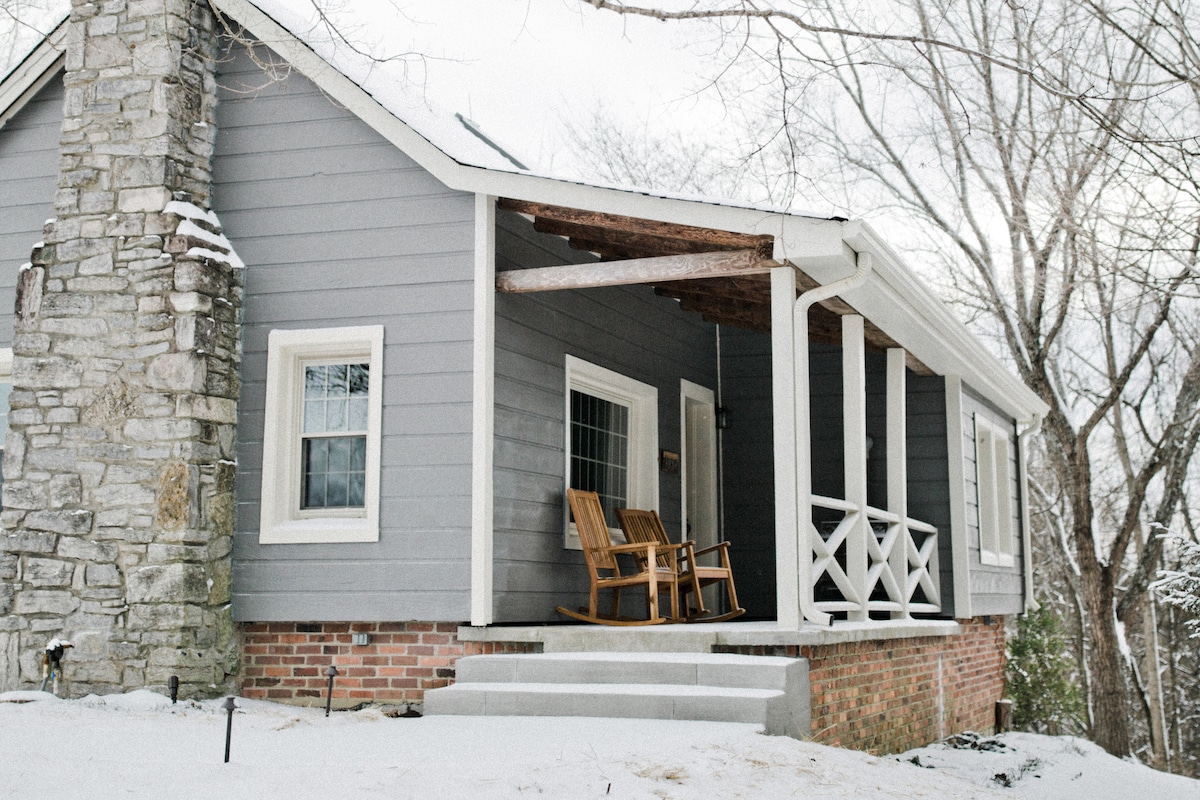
pixel 645 527
pixel 605 573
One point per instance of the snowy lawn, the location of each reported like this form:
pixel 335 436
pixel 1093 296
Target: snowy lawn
pixel 138 745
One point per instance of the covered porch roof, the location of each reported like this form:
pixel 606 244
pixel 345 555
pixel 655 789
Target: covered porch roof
pixel 722 275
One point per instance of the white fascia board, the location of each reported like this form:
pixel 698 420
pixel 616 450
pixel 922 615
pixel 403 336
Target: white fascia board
pixel 34 72
pixel 905 309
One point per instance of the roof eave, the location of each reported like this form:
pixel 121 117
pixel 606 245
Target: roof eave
pixel 35 71
pixel 918 319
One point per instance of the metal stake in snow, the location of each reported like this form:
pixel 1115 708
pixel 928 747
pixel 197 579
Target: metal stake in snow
pixel 173 688
pixel 331 673
pixel 229 706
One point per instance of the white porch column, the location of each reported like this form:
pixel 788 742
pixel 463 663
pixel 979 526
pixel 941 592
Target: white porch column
pixel 790 543
pixel 483 412
pixel 897 470
pixel 854 446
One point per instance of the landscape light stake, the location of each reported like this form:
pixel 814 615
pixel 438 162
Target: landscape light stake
pixel 331 673
pixel 173 688
pixel 229 706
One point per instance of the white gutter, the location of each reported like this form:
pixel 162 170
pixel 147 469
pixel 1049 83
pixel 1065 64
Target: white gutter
pixel 1034 426
pixel 863 267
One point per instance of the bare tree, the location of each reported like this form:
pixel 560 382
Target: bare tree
pixel 1047 148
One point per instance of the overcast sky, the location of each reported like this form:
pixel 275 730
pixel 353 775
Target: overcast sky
pixel 519 67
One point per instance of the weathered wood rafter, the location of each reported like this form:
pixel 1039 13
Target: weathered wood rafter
pixel 622 226
pixel 604 239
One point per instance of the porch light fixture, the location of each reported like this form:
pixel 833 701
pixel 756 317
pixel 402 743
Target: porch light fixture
pixel 723 421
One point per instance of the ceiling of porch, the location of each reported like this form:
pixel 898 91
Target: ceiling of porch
pixel 740 298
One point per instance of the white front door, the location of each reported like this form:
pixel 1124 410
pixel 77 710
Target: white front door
pixel 698 415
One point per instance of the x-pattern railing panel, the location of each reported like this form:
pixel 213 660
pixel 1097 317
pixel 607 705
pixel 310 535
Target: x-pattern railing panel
pixel 918 541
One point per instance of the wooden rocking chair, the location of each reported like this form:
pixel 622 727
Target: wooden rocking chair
pixel 645 527
pixel 605 573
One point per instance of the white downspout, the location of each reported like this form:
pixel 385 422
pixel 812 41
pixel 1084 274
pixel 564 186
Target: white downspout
pixel 863 267
pixel 1035 425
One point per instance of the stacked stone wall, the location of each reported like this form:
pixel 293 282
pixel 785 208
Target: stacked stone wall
pixel 118 495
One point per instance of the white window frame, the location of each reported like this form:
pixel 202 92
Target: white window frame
pixel 281 519
pixel 993 481
pixel 642 401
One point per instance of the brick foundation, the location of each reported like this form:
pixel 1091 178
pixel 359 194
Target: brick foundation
pixel 878 696
pixel 890 696
pixel 286 661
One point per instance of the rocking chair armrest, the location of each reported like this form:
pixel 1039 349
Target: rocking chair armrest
pixel 638 547
pixel 714 548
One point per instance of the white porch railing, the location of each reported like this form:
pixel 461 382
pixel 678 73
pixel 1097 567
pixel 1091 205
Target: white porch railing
pixel 900 555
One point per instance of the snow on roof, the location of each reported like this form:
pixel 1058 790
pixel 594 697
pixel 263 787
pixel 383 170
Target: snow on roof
pixel 460 138
pixel 387 82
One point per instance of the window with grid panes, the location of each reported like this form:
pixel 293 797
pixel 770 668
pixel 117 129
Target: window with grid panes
pixel 612 441
pixel 322 436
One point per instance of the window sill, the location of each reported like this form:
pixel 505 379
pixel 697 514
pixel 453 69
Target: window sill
pixel 316 531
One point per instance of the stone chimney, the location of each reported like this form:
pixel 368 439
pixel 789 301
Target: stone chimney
pixel 118 471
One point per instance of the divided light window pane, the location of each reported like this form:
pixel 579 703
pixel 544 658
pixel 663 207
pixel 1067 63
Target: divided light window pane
pixel 334 436
pixel 600 450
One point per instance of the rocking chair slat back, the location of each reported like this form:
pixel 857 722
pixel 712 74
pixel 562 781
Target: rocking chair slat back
pixel 645 527
pixel 593 530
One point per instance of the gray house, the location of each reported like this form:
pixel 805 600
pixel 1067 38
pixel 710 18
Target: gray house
pixel 296 359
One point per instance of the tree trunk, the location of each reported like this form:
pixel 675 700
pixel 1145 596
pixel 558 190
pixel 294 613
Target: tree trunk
pixel 1109 699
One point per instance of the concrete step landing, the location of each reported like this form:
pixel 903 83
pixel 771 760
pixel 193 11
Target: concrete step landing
pixel 764 690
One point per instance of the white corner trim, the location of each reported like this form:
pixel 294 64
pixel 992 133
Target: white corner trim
pixel 280 520
pixel 483 390
pixel 1023 438
pixel 959 546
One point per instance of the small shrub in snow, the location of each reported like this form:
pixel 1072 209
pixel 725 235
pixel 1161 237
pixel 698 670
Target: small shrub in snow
pixel 1040 676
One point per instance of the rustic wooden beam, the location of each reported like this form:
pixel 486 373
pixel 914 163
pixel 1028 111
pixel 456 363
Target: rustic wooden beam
pixel 647 245
pixel 633 271
pixel 716 238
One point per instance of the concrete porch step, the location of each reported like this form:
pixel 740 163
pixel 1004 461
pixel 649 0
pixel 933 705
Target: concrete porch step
pixel 769 691
pixel 621 700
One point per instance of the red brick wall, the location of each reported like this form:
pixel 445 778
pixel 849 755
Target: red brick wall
pixel 886 696
pixel 286 661
pixel 879 696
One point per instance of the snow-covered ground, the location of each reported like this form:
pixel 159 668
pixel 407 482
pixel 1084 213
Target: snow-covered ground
pixel 139 745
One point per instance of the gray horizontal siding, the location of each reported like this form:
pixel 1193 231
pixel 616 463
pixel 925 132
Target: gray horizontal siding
pixel 627 329
pixel 994 589
pixel 748 467
pixel 28 179
pixel 337 227
pixel 929 472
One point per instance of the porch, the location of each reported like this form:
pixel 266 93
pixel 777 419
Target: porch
pixel 813 483
pixel 702 637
